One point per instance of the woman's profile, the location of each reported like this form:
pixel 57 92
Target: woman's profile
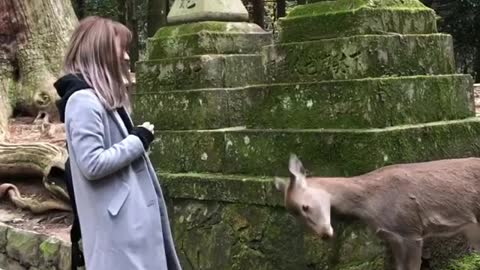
pixel 121 208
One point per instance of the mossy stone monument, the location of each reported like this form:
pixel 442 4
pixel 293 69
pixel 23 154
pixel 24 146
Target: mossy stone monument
pixel 349 86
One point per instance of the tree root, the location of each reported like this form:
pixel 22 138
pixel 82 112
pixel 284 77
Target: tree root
pixel 35 206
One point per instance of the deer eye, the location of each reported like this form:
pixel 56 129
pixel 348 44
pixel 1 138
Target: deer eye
pixel 305 208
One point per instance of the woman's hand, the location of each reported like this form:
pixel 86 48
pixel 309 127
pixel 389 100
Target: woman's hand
pixel 149 127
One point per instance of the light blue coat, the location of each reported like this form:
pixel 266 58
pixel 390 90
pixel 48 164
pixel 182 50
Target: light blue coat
pixel 122 212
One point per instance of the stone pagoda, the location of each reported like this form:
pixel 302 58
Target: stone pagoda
pixel 349 86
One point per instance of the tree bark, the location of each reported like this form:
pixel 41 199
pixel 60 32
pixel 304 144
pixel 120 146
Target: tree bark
pixel 38 32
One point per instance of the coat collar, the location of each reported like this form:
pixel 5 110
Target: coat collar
pixel 119 122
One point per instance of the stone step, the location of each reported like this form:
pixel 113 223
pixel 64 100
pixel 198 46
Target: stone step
pixel 207 38
pixel 197 72
pixel 363 21
pixel 361 103
pixel 325 151
pixel 220 187
pixel 360 57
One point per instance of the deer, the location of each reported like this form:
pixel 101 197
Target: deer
pixel 403 204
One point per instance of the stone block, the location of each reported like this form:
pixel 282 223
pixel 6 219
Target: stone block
pixel 197 72
pixel 207 38
pixel 184 11
pixel 266 238
pixel 49 250
pixel 3 237
pixel 360 57
pixel 64 257
pixel 327 152
pixel 364 103
pixel 23 246
pixel 365 21
pixel 325 7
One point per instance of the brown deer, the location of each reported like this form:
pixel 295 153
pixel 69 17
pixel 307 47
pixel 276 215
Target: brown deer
pixel 403 204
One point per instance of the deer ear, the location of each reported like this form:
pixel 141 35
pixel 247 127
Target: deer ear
pixel 280 184
pixel 295 167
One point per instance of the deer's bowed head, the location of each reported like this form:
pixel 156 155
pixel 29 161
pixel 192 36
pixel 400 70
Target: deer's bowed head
pixel 310 205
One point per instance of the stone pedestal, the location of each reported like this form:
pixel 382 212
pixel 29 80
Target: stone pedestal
pixel 350 86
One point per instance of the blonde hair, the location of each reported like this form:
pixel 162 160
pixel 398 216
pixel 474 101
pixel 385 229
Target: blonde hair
pixel 96 51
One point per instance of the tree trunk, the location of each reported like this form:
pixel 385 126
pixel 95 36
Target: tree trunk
pixel 281 8
pixel 33 37
pixel 132 24
pixel 157 15
pixel 259 12
pixel 38 33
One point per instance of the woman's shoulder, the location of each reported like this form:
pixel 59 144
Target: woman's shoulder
pixel 83 101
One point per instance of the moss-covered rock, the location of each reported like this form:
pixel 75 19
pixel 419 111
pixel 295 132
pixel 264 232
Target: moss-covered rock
pixel 217 235
pixel 197 72
pixel 49 249
pixel 325 151
pixel 3 238
pixel 363 103
pixel 207 38
pixel 23 246
pixel 360 57
pixel 357 22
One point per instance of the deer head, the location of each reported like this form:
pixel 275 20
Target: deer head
pixel 308 205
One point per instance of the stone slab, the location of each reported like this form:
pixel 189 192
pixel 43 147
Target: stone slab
pixel 326 152
pixel 360 57
pixel 364 103
pixel 207 38
pixel 185 11
pixel 325 7
pixel 197 72
pixel 365 21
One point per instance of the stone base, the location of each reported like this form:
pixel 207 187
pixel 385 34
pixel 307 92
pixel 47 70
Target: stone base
pixel 326 152
pixel 207 38
pixel 238 222
pixel 365 103
pixel 357 57
pixel 197 72
pixel 25 250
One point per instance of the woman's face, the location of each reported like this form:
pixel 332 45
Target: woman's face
pixel 123 56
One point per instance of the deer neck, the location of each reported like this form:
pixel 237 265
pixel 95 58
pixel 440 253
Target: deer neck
pixel 347 196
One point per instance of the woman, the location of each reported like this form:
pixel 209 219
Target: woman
pixel 122 212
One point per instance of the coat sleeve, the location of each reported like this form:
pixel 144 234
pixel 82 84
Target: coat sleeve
pixel 84 121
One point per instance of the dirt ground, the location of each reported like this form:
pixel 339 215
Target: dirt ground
pixel 54 223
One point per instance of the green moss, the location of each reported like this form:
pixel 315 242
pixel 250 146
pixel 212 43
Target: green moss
pixel 49 250
pixel 361 22
pixel 326 152
pixel 207 38
pixel 216 235
pixel 360 57
pixel 349 5
pixel 210 26
pixel 226 188
pixel 360 103
pixel 469 262
pixel 206 71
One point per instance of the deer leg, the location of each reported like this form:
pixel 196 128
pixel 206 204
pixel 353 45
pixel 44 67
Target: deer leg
pixel 472 233
pixel 413 256
pixel 395 244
